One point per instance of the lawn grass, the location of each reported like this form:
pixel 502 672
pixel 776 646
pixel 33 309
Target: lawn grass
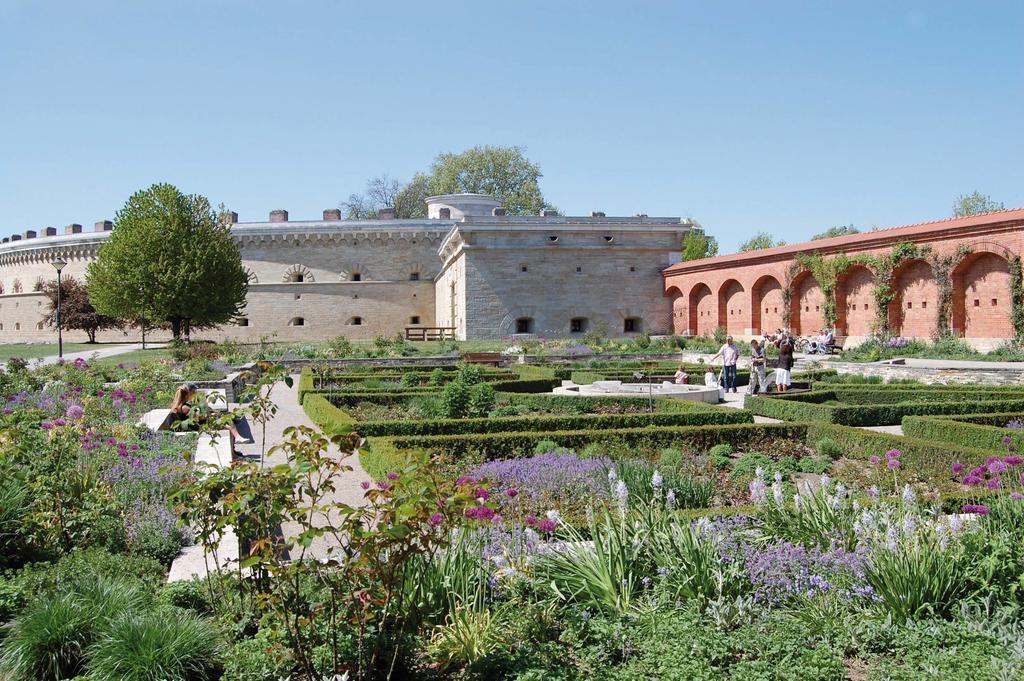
pixel 36 350
pixel 135 357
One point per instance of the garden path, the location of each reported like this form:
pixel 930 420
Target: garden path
pixel 290 413
pixel 101 352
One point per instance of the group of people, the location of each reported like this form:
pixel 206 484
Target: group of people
pixel 730 354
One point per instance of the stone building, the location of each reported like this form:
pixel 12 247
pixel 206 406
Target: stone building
pixel 747 293
pixel 467 266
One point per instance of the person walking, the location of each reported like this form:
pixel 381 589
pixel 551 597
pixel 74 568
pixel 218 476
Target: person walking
pixel 758 382
pixel 729 354
pixel 785 365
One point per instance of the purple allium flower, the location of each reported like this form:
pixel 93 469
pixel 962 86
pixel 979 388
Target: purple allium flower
pixel 1016 496
pixel 381 485
pixel 392 476
pixel 893 464
pixel 972 480
pixel 996 467
pixel 1013 460
pixel 59 422
pixel 873 491
pixel 365 484
pixel 874 460
pixel 546 526
pixel 893 454
pixel 978 509
pixel 436 519
pixel 512 492
pixel 481 493
pixel 958 468
pixel 100 393
pixel 993 483
pixel 1007 439
pixel 480 513
pixel 46 425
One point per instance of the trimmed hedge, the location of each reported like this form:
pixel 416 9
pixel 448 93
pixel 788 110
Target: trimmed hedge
pixel 528 385
pixel 895 394
pixel 962 434
pixel 924 460
pixel 326 415
pixel 582 377
pixel 487 446
pixel 543 424
pixel 796 409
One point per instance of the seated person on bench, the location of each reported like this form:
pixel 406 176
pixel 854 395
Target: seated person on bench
pixel 182 410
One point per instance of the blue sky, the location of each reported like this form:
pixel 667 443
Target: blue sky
pixel 748 116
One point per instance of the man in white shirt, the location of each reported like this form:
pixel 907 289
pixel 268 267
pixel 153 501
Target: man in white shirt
pixel 729 354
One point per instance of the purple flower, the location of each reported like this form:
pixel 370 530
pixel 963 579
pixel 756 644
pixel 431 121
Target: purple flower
pixel 59 422
pixel 958 468
pixel 972 480
pixel 392 476
pixel 75 412
pixel 893 454
pixel 996 467
pixel 480 513
pixel 978 509
pixel 512 492
pixel 365 484
pixel 46 425
pixel 481 493
pixel 1007 439
pixel 436 519
pixel 381 485
pixel 893 464
pixel 1016 496
pixel 993 483
pixel 100 393
pixel 546 525
pixel 875 460
pixel 1012 460
pixel 464 480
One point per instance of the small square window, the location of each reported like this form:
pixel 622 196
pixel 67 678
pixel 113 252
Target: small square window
pixel 994 302
pixel 807 308
pixel 415 319
pixel 578 269
pixel 415 276
pixel 865 306
pixel 817 308
pixel 910 305
pixel 977 302
pixel 356 321
pixel 524 268
pixel 242 321
pixel 924 303
pixel 632 268
pixel 629 325
pixel 766 310
pixel 553 239
pixel 298 296
pixel 775 309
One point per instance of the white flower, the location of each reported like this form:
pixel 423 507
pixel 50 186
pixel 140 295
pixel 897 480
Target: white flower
pixel 621 493
pixel 798 501
pixel 757 491
pixel 670 500
pixel 553 515
pixel 909 524
pixel 778 477
pixel 759 472
pixel 840 490
pixel 777 493
pixel 826 482
pixel 656 480
pixel 892 538
pixel 908 495
pixel 612 476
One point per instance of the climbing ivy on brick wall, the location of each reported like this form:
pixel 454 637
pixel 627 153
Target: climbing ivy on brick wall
pixel 1017 299
pixel 942 269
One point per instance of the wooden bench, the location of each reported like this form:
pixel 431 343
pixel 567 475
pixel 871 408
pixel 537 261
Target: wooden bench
pixel 429 333
pixel 489 358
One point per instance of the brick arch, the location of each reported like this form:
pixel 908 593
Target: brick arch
pixel 766 305
pixel 703 315
pixel 680 311
pixel 808 305
pixel 732 308
pixel 856 313
pixel 297 272
pixel 981 295
pixel 912 313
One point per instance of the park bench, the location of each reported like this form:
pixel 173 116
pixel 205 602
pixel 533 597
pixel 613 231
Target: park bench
pixel 429 333
pixel 488 358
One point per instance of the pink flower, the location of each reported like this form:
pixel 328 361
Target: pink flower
pixel 893 464
pixel 100 393
pixel 875 460
pixel 1012 460
pixel 392 476
pixel 365 484
pixel 46 425
pixel 547 525
pixel 59 422
pixel 1016 496
pixel 979 509
pixel 481 493
pixel 383 486
pixel 436 519
pixel 464 480
pixel 957 468
pixel 972 480
pixel 531 520
pixel 893 454
pixel 993 483
pixel 512 492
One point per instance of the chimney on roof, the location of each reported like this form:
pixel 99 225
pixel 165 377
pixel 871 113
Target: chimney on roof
pixel 50 231
pixel 279 215
pixel 103 226
pixel 5 240
pixel 332 214
pixel 30 234
pixel 232 217
pixel 597 214
pixel 548 213
pixel 386 213
pixel 15 237
pixel 74 228
pixel 444 213
pixel 499 211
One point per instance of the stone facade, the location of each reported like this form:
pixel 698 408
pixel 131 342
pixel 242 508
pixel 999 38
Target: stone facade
pixel 744 292
pixel 461 267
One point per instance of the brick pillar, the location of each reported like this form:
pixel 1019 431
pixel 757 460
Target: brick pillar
pixel 73 228
pixel 332 214
pixel 103 226
pixel 279 216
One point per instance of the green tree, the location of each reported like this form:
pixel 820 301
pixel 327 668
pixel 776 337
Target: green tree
pixel 697 245
pixel 503 172
pixel 974 203
pixel 840 230
pixel 76 312
pixel 170 260
pixel 760 241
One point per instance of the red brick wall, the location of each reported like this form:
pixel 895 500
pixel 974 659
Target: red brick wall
pixel 705 291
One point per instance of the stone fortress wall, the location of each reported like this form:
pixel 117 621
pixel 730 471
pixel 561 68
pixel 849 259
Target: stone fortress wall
pixel 744 292
pixel 461 266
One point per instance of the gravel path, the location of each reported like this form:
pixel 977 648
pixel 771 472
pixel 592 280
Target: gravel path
pixel 290 413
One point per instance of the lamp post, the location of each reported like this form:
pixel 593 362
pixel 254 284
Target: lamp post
pixel 58 264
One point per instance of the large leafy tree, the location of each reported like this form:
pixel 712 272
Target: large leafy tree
pixel 502 172
pixel 974 203
pixel 169 260
pixel 760 241
pixel 76 312
pixel 840 230
pixel 697 245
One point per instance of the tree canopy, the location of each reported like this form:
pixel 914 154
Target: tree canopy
pixel 974 203
pixel 76 312
pixel 839 230
pixel 169 260
pixel 760 241
pixel 697 245
pixel 502 172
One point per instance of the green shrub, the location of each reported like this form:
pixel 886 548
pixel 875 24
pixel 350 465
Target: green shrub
pixel 155 645
pixel 545 446
pixel 321 412
pixel 258 659
pixel 410 380
pixel 720 455
pixel 814 464
pixel 481 399
pixel 339 346
pixel 191 594
pixel 436 377
pixel 965 434
pixel 828 448
pixel 455 400
pixel 670 457
pixel 153 540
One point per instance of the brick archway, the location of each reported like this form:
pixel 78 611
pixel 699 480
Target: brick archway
pixel 766 305
pixel 732 308
pixel 703 315
pixel 807 315
pixel 981 296
pixel 680 312
pixel 912 313
pixel 856 314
